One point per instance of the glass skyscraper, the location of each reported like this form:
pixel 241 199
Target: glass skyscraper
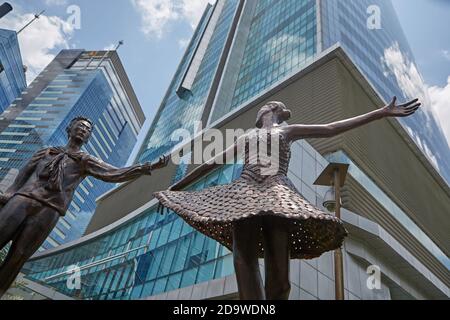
pixel 282 38
pixel 240 51
pixel 91 84
pixel 12 75
pixel 185 101
pixel 384 56
pixel 275 39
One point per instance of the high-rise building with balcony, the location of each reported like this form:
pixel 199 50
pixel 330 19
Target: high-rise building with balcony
pixel 76 83
pixel 12 74
pixel 325 62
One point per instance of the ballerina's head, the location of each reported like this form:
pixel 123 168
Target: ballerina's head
pixel 273 113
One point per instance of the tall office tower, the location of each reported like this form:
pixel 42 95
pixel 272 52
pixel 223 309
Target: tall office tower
pixel 372 35
pixel 275 39
pixel 87 83
pixel 12 75
pixel 326 62
pixel 197 75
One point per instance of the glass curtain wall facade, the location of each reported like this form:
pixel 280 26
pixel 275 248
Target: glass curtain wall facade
pixel 92 91
pixel 285 35
pixel 282 38
pixel 152 254
pixel 183 111
pixel 372 48
pixel 12 75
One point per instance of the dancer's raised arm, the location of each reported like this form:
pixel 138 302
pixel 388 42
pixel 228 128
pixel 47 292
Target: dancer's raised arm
pixel 108 173
pixel 300 131
pixel 225 157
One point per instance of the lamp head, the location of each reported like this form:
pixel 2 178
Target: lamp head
pixel 329 201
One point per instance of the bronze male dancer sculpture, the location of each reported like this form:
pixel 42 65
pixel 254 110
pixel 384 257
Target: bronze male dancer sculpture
pixel 44 190
pixel 264 216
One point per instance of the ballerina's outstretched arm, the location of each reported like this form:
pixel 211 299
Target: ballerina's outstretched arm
pixel 226 157
pixel 300 131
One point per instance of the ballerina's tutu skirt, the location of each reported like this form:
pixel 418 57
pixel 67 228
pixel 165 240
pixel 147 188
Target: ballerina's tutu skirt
pixel 213 211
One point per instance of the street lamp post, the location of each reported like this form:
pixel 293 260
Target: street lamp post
pixel 334 176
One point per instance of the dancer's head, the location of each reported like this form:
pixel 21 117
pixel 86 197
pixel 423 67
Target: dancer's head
pixel 80 130
pixel 274 112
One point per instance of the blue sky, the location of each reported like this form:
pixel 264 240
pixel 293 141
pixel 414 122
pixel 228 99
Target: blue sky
pixel 150 59
pixel 156 31
pixel 427 25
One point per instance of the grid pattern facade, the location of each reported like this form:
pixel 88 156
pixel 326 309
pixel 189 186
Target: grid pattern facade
pixel 12 76
pixel 399 214
pixel 149 255
pixel 155 253
pixel 36 124
pixel 183 112
pixel 282 38
pixel 86 89
pixel 346 22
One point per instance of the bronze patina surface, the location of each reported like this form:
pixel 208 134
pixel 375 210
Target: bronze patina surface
pixel 263 215
pixel 43 191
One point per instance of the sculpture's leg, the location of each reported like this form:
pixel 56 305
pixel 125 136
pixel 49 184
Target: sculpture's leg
pixel 245 252
pixel 11 217
pixel 35 230
pixel 276 259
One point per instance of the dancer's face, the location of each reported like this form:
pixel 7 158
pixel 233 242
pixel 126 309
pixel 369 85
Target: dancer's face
pixel 275 112
pixel 81 131
pixel 282 114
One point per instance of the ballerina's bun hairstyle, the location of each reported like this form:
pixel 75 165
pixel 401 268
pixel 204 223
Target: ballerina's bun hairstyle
pixel 269 107
pixel 77 119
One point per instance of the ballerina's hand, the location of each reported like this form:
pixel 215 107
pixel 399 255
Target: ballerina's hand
pixel 402 110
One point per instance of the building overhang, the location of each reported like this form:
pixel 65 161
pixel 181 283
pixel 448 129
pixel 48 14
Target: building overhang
pixel 380 242
pixel 401 261
pixel 436 227
pixel 403 268
pixel 336 51
pixel 434 221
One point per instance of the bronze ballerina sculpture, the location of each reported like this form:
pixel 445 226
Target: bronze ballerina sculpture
pixel 264 216
pixel 43 191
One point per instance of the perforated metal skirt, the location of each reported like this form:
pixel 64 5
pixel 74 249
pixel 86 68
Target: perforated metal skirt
pixel 213 212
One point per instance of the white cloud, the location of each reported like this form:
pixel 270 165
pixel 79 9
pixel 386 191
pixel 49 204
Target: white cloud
pixel 193 10
pixel 40 41
pixel 406 74
pixel 157 15
pixel 446 54
pixel 435 100
pixel 183 43
pixel 110 47
pixel 440 101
